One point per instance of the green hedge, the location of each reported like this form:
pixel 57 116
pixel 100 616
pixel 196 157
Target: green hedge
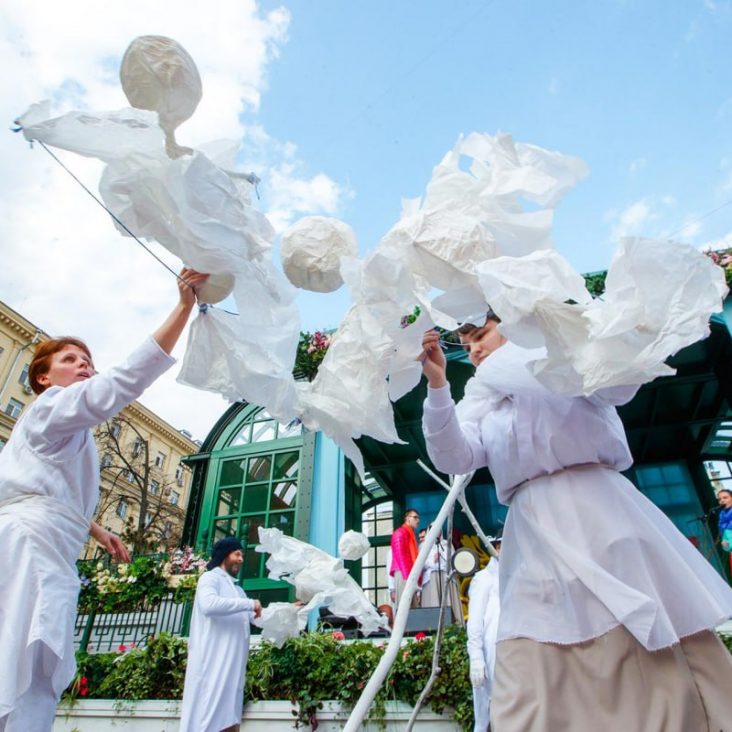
pixel 307 671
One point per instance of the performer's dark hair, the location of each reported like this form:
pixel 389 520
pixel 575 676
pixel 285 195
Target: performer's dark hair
pixel 41 362
pixel 408 511
pixel 466 328
pixel 724 490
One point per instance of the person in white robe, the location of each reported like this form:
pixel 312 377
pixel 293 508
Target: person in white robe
pixel 436 580
pixel 607 610
pixel 218 645
pixel 484 609
pixel 49 488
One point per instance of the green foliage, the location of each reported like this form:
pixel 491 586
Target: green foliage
pixel 727 640
pixel 595 283
pixel 156 671
pixel 306 671
pixel 311 350
pixel 314 668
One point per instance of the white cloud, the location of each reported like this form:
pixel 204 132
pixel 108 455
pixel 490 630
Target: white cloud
pixel 64 266
pixel 651 217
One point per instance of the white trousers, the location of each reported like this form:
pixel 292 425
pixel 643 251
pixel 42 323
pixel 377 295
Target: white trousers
pixel 36 707
pixel 482 706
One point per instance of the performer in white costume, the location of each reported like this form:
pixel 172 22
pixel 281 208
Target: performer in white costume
pixel 607 609
pixel 218 646
pixel 49 487
pixel 434 579
pixel 484 609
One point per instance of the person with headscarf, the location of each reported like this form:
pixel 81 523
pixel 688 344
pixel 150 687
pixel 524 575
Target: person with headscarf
pixel 484 609
pixel 49 489
pixel 607 610
pixel 218 644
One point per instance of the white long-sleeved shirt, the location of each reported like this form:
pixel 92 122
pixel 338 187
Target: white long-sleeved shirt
pixel 511 423
pixel 583 551
pixel 51 451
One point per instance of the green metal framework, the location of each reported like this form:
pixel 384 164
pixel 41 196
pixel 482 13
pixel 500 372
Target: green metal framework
pixel 251 472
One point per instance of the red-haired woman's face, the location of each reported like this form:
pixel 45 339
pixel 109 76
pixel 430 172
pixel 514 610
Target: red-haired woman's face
pixel 69 365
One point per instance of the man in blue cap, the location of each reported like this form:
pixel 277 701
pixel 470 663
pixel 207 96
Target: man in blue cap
pixel 218 646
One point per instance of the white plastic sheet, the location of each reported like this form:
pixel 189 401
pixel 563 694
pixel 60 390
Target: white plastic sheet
pixel 353 545
pixel 312 249
pixel 319 580
pixel 481 233
pixel 280 621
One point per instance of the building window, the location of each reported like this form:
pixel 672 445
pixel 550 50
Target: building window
pixel 260 490
pixel 148 518
pixel 129 476
pixel 174 498
pixel 137 446
pixel 263 429
pixel 160 460
pixel 23 379
pixel 14 408
pixel 154 487
pixel 122 507
pixel 106 460
pixel 179 473
pixel 167 530
pixel 377 524
pixel 114 429
pixel 3 441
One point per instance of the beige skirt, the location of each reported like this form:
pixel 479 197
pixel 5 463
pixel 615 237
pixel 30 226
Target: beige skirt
pixel 613 683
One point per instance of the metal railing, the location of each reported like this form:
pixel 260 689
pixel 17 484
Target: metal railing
pixel 96 631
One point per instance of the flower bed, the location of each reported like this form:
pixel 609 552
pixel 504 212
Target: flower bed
pixel 308 672
pixel 107 587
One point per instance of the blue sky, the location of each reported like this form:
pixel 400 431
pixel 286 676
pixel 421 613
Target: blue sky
pixel 344 108
pixel 375 93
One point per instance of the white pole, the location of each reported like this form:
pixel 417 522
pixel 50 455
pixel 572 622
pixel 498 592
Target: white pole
pixel 466 510
pixel 355 721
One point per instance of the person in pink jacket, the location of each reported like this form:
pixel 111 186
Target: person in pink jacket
pixel 403 554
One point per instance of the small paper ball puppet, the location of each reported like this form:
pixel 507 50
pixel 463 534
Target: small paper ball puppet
pixel 159 75
pixel 312 249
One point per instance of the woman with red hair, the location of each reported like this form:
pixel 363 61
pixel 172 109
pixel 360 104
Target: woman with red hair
pixel 49 487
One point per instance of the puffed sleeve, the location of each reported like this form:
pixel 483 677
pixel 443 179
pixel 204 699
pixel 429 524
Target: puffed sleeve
pixel 62 411
pixel 453 447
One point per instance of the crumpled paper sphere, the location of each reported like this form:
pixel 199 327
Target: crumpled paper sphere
pixel 353 545
pixel 312 249
pixel 442 246
pixel 158 74
pixel 216 288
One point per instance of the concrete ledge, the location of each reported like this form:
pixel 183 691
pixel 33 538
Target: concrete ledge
pixel 109 715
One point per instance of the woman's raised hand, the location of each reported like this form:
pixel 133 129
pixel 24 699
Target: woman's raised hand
pixel 434 363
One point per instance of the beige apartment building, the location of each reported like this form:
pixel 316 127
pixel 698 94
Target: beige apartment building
pixel 140 453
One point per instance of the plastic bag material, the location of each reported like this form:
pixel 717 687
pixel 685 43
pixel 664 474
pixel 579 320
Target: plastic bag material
pixel 225 356
pixel 319 578
pixel 353 545
pixel 159 75
pixel 659 298
pixel 312 250
pixel 281 621
pixel 105 135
